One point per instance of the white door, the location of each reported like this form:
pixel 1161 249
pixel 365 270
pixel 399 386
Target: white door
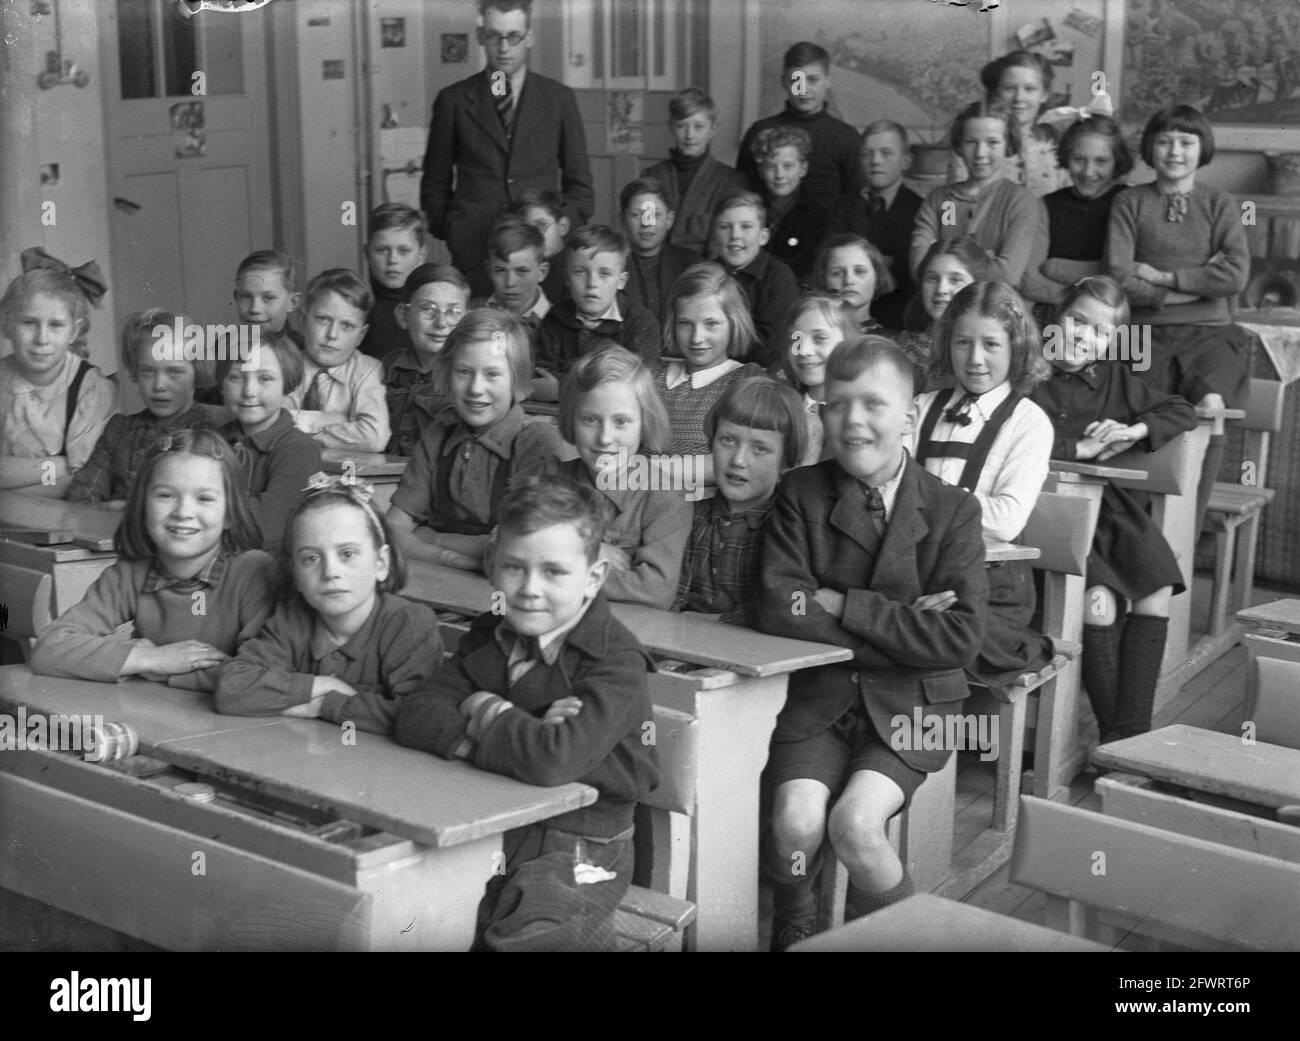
pixel 189 172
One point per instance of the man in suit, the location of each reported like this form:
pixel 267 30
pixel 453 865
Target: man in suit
pixel 865 550
pixel 494 136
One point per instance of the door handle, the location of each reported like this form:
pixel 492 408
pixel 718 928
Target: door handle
pixel 126 205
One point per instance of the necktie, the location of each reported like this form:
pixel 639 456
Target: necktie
pixel 875 204
pixel 532 652
pixel 505 105
pixel 960 412
pixel 311 401
pixel 875 507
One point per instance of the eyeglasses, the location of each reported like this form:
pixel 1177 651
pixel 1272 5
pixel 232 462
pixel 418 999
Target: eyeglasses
pixel 495 39
pixel 431 311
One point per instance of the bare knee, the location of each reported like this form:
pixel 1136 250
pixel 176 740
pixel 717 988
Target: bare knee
pixel 798 821
pixel 859 837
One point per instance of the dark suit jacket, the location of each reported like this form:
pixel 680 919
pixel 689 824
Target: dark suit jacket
pixel 602 664
pixel 694 223
pixel 562 339
pixel 903 658
pixel 770 287
pixel 468 146
pixel 890 232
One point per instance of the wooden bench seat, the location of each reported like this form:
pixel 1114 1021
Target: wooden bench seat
pixel 647 920
pixel 1156 883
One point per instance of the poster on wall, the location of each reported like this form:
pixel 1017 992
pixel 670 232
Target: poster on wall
pixel 189 138
pixel 626 121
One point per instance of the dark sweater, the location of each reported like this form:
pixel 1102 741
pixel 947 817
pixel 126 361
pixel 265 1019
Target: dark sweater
pixel 833 166
pixel 890 231
pixel 384 334
pixel 602 664
pixel 771 288
pixel 1077 226
pixel 650 279
pixel 797 228
pixel 562 338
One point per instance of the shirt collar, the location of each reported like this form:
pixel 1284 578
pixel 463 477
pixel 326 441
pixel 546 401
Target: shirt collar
pixel 754 516
pixel 159 577
pixel 988 402
pixel 610 314
pixel 889 490
pixel 263 440
pixel 338 372
pixel 540 309
pixel 888 195
pixel 322 643
pixel 1094 374
pixel 408 359
pixel 498 439
pixel 549 644
pixel 676 374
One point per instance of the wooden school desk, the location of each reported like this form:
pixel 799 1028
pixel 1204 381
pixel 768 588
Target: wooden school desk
pixel 74 565
pixel 730 687
pixel 310 843
pixel 381 470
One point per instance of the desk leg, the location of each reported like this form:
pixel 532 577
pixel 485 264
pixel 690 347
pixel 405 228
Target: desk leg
pixel 429 901
pixel 735 727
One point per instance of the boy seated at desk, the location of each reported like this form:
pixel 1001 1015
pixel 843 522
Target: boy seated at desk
pixel 553 691
pixel 865 550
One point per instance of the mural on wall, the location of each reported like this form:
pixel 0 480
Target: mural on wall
pixel 1238 61
pixel 919 70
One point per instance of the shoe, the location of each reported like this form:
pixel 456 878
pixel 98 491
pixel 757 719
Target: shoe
pixel 794 914
pixel 786 936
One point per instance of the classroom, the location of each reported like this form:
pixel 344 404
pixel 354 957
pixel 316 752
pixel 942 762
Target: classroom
pixel 674 475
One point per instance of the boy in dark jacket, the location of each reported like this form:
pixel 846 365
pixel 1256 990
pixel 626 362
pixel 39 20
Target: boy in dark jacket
pixel 553 691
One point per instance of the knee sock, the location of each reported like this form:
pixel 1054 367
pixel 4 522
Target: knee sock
pixel 1101 671
pixel 860 903
pixel 1140 654
pixel 1209 474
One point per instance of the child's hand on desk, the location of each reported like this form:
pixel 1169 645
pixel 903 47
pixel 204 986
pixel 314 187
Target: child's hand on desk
pixel 561 709
pixel 450 558
pixel 173 659
pixel 320 686
pixel 1088 448
pixel 830 601
pixel 935 601
pixel 618 559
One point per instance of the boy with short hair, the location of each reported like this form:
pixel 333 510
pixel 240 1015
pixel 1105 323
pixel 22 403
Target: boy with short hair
pixel 756 433
pixel 595 309
pixel 544 210
pixel 551 693
pixel 655 263
pixel 266 292
pixel 692 178
pixel 169 385
pixel 833 167
pixel 341 401
pixel 869 551
pixel 437 299
pixel 796 223
pixel 739 235
pixel 883 212
pixel 517 267
pixel 395 249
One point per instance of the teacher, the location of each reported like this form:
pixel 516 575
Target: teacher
pixel 496 134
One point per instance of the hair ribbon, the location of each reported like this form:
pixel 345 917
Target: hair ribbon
pixel 88 277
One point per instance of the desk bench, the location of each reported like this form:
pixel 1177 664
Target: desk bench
pixel 727 685
pixel 309 843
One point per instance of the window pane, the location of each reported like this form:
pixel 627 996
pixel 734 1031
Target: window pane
pixel 209 43
pixel 135 48
pixel 628 45
pixel 660 16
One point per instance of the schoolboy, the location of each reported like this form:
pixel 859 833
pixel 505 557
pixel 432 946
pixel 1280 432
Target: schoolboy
pixel 595 309
pixel 341 400
pixel 544 210
pixel 266 292
pixel 396 248
pixel 739 234
pixel 654 263
pixel 551 693
pixel 883 212
pixel 868 551
pixel 795 222
pixel 691 176
pixel 517 267
pixel 756 433
pixel 169 384
pixel 833 168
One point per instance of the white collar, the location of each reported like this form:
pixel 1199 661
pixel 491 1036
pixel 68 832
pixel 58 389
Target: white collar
pixel 676 373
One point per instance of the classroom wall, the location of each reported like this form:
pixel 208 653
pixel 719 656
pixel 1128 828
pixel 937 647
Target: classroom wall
pixel 62 125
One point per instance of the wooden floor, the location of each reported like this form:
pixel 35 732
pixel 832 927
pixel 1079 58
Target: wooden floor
pixel 1213 700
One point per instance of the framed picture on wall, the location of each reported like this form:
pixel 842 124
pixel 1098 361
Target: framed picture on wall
pixel 1238 63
